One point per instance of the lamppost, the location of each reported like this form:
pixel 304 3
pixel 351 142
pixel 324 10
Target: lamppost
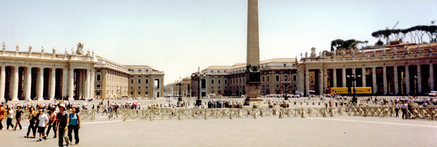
pixel 286 83
pixel 197 76
pixel 179 95
pixel 353 78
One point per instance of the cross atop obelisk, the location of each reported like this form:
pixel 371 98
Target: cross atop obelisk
pixel 252 65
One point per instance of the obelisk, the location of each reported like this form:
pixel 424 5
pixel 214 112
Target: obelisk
pixel 252 65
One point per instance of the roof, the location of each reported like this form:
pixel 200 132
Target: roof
pixel 239 65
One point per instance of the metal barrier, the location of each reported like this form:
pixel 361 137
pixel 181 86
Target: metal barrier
pixel 429 113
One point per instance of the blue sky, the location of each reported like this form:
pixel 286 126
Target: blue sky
pixel 177 36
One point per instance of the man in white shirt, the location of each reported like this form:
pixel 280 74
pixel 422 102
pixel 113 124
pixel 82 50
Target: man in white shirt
pixel 43 119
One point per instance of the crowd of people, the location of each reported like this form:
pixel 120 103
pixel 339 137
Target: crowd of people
pixel 44 118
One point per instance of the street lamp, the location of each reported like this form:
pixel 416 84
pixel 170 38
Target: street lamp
pixel 197 76
pixel 286 83
pixel 353 79
pixel 179 95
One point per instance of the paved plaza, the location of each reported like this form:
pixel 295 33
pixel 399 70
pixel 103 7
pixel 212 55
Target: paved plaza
pixel 267 131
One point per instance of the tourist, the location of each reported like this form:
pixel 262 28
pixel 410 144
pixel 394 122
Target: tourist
pixel 18 115
pixel 10 115
pixel 52 122
pixel 74 125
pixel 42 124
pixel 62 119
pixel 2 115
pixel 404 110
pixel 32 122
pixel 397 109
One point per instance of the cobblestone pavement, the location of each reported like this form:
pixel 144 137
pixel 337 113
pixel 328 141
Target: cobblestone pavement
pixel 267 131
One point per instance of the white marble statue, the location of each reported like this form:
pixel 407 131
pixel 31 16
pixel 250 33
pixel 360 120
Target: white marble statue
pixel 18 47
pixel 54 50
pixel 92 54
pixel 306 54
pixel 72 51
pixel 42 49
pixel 4 46
pixel 30 49
pixel 79 50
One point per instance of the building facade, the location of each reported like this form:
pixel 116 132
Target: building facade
pixel 278 76
pixel 28 75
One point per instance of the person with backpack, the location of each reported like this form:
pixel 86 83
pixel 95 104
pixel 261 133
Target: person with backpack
pixel 74 125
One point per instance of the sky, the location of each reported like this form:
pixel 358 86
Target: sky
pixel 178 36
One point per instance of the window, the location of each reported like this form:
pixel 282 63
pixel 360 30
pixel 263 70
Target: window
pixel 294 77
pixel 132 81
pixel 98 93
pixel 268 78
pixel 139 92
pixel 139 87
pixel 263 78
pixel 147 81
pixel 98 77
pixel 132 93
pixel 131 87
pixel 212 81
pixel 139 81
pixel 147 87
pixel 218 81
pixel 226 81
pixel 277 78
pixel 285 77
pixel 147 92
pixel 98 85
pixel 277 86
pixel 203 84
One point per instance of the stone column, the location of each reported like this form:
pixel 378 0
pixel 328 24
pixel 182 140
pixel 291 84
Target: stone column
pixel 363 76
pixel 64 83
pixel 2 83
pixel 419 79
pixel 28 83
pixel 40 84
pixel 87 84
pixel 396 79
pixel 431 77
pixel 343 75
pixel 307 82
pixel 320 81
pixel 92 85
pixel 407 80
pixel 15 84
pixel 334 77
pixel 52 83
pixel 71 84
pixel 375 86
pixel 325 79
pixel 384 78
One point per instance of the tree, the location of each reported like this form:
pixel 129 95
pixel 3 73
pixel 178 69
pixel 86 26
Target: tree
pixel 336 43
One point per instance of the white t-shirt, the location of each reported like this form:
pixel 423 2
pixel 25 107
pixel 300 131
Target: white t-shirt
pixel 43 120
pixel 11 114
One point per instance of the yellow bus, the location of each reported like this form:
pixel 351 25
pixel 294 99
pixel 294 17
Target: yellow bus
pixel 344 90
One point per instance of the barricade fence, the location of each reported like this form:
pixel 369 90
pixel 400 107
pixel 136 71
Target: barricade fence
pixel 428 113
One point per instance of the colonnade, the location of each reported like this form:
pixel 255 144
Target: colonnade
pixel 32 83
pixel 405 79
